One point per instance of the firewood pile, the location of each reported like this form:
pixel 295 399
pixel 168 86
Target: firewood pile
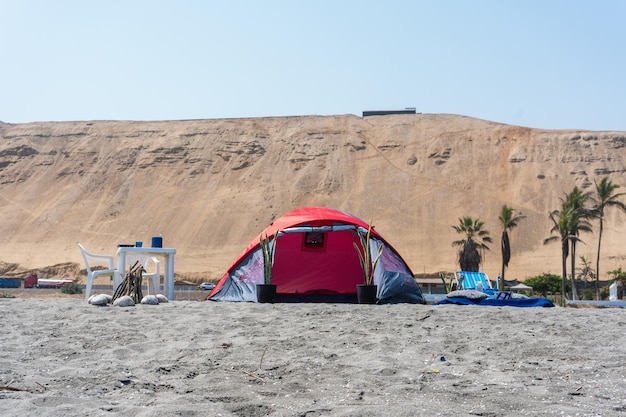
pixel 131 284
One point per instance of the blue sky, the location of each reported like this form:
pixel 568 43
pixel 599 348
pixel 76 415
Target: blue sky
pixel 545 64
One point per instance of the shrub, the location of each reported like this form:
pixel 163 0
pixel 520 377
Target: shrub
pixel 604 293
pixel 546 283
pixel 587 294
pixel 72 288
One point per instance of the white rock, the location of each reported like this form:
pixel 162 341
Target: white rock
pixel 162 298
pixel 150 299
pixel 99 299
pixel 124 301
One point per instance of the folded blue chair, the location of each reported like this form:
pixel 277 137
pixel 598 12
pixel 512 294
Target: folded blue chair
pixel 503 295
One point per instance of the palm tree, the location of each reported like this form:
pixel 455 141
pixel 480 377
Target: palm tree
pixel 578 224
pixel 509 221
pixel 576 200
pixel 561 228
pixel 568 223
pixel 473 244
pixel 586 272
pixel 604 198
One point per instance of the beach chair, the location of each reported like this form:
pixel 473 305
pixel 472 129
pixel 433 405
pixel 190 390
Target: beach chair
pixel 472 281
pixel 153 276
pixel 480 282
pixel 92 261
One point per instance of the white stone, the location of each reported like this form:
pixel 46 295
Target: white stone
pixel 124 301
pixel 162 298
pixel 150 299
pixel 99 299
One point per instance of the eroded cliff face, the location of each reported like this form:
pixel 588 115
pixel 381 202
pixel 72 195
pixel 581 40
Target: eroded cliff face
pixel 209 186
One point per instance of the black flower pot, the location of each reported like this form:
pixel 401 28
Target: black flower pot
pixel 265 293
pixel 366 294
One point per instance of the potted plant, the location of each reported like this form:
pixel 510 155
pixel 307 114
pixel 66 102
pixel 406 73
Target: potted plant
pixel 266 292
pixel 447 286
pixel 366 293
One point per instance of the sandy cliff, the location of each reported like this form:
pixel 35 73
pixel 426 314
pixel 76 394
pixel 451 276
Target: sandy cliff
pixel 209 186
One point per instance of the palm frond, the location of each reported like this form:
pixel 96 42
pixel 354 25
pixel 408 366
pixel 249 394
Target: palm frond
pixel 268 246
pixel 363 250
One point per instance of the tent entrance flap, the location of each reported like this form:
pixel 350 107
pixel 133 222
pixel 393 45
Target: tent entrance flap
pixel 335 269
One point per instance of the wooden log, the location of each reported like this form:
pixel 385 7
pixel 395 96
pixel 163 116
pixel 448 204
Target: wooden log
pixel 131 284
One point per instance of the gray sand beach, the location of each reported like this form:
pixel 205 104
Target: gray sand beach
pixel 64 357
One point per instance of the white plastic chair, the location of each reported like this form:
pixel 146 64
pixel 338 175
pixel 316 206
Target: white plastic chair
pixel 91 260
pixel 153 276
pixel 613 292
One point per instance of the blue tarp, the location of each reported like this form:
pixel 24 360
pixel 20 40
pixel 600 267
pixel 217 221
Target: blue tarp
pixel 512 302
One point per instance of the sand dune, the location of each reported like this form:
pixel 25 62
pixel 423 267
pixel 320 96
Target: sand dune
pixel 209 186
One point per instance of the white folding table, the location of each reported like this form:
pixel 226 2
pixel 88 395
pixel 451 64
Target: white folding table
pixel 166 253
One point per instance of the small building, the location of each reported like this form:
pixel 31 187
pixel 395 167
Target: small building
pixel 407 110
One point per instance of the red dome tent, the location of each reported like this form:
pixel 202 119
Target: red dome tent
pixel 315 260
